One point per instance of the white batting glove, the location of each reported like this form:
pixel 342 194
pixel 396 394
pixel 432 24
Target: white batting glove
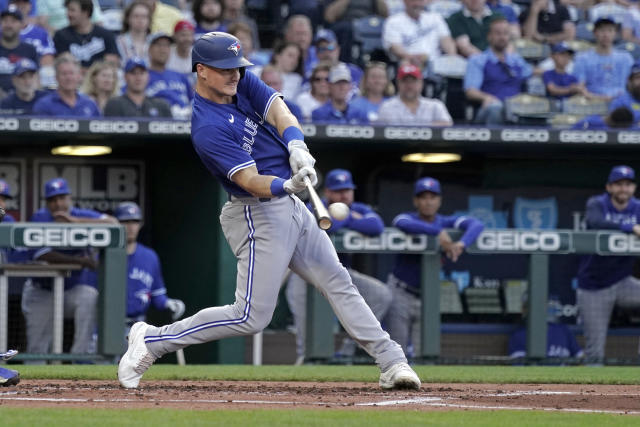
pixel 296 183
pixel 176 307
pixel 299 155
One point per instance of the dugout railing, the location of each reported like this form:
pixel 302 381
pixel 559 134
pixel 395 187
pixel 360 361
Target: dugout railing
pixel 110 241
pixel 538 245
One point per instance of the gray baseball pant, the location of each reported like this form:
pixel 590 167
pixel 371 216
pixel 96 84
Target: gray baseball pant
pixel 595 308
pixel 79 304
pixel 266 238
pixel 403 319
pixel 375 293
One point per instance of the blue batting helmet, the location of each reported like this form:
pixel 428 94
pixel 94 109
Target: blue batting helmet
pixel 219 50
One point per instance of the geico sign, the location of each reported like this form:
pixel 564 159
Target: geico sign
pixel 514 135
pixel 309 130
pixel 407 133
pixel 390 241
pixel 629 137
pixel 334 131
pixel 107 126
pixel 462 134
pixel 49 125
pixel 176 127
pixel 621 243
pixel 590 137
pixel 519 241
pixel 9 124
pixel 66 237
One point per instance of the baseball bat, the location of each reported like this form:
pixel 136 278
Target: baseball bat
pixel 320 211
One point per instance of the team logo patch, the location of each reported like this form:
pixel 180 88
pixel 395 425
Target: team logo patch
pixel 235 48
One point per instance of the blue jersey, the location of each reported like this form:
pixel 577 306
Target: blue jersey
pixel 603 74
pixel 369 108
pixel 370 224
pixel 14 106
pixel 232 137
pixel 599 272
pixel 77 277
pixel 407 267
pixel 52 105
pixel 328 114
pixel 39 38
pixel 593 122
pixel 559 79
pixel 171 86
pixel 144 282
pixel 560 342
pixel 626 100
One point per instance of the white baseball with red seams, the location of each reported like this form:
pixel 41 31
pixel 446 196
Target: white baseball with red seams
pixel 339 210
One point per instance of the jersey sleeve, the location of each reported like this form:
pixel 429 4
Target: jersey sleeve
pixel 370 224
pixel 158 289
pixel 595 218
pixel 220 152
pixel 471 226
pixel 408 224
pixel 259 95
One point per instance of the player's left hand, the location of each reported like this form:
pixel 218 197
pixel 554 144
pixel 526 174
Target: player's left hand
pixel 299 155
pixel 454 250
pixel 176 307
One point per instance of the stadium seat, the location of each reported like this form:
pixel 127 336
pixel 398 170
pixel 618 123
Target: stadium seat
pixel 367 39
pixel 531 50
pixel 581 105
pixel 445 8
pixel 444 74
pixel 565 121
pixel 584 31
pixel 580 45
pixel 527 109
pixel 608 10
pixel 452 66
pixel 630 47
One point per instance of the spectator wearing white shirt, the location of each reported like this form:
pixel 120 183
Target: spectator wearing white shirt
pixel 415 35
pixel 411 108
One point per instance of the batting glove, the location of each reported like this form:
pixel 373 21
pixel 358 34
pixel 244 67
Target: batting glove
pixel 299 155
pixel 176 307
pixel 296 183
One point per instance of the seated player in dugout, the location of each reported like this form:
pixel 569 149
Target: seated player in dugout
pixel 403 316
pixel 145 284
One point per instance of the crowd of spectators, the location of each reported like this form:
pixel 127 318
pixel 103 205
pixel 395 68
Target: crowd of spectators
pixel 554 49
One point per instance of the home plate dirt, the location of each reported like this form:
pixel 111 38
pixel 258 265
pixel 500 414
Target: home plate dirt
pixel 356 396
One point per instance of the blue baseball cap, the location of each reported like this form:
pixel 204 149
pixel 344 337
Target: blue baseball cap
pixel 427 184
pixel 24 65
pixel 128 211
pixel 562 47
pixel 135 62
pixel 605 20
pixel 56 187
pixel 339 179
pixel 326 35
pixel 12 10
pixel 5 190
pixel 621 172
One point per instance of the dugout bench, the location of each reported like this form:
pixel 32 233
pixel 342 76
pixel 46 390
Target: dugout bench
pixel 110 240
pixel 538 245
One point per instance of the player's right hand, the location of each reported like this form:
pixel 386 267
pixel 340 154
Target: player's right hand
pixel 299 156
pixel 296 183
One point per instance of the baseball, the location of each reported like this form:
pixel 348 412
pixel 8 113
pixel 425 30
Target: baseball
pixel 339 210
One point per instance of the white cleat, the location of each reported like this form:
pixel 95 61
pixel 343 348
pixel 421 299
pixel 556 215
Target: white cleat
pixel 399 376
pixel 137 359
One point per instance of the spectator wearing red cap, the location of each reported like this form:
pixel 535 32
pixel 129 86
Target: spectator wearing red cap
pixel 409 107
pixel 180 56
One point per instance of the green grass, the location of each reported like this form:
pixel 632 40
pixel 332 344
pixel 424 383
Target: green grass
pixel 302 417
pixel 322 373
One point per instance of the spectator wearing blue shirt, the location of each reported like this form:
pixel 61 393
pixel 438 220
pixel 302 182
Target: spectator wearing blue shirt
pixel 272 77
pixel 620 118
pixel 606 281
pixel 34 34
pixel 80 294
pixel 495 74
pixel 375 88
pixel 338 110
pixel 66 100
pixel 173 87
pixel 25 93
pixel 631 97
pixel 558 82
pixel 12 49
pixel 603 70
pixel 403 316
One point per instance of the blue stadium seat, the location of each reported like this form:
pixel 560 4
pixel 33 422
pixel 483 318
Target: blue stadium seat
pixel 367 39
pixel 584 31
pixel 630 47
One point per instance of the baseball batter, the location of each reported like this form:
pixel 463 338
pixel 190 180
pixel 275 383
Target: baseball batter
pixel 604 281
pixel 248 139
pixel 403 316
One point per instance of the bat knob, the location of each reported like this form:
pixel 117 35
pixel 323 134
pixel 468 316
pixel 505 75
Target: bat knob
pixel 324 223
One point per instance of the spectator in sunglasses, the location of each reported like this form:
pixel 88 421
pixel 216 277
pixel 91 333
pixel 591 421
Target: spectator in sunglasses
pixel 328 50
pixel 318 94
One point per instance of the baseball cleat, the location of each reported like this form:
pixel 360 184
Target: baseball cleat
pixel 399 377
pixel 9 377
pixel 137 359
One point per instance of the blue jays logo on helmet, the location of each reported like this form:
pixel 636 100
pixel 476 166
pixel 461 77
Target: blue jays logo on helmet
pixel 427 184
pixel 235 48
pixel 219 50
